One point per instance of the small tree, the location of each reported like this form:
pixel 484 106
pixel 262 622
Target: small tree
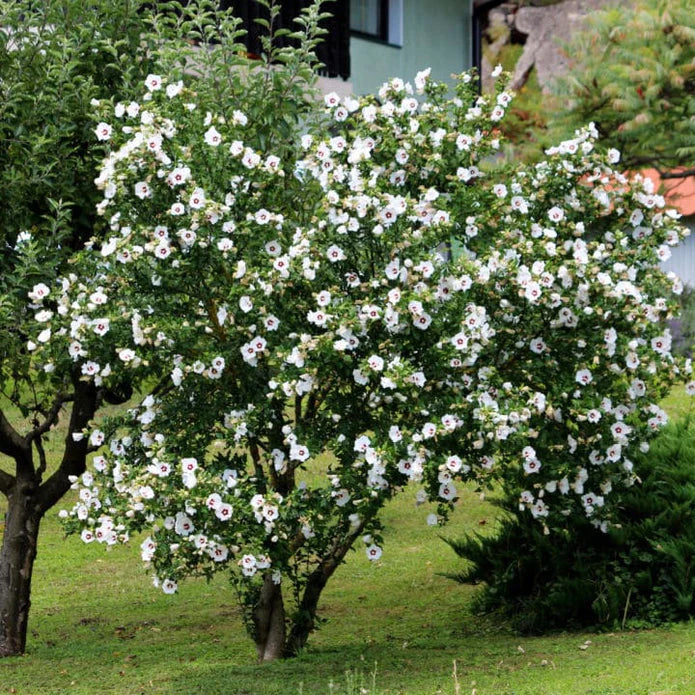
pixel 634 75
pixel 322 348
pixel 56 60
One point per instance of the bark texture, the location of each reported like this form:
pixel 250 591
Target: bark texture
pixel 269 622
pixel 16 565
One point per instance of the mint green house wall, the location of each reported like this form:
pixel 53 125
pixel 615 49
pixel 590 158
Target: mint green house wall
pixel 436 34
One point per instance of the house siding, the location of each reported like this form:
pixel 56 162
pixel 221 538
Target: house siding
pixel 682 261
pixel 436 34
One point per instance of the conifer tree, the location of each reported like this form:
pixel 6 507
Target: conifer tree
pixel 634 77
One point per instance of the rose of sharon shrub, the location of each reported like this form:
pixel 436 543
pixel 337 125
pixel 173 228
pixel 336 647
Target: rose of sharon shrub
pixel 376 310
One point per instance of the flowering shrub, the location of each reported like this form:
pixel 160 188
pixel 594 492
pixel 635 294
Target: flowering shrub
pixel 370 309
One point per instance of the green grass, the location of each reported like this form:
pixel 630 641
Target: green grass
pixel 98 626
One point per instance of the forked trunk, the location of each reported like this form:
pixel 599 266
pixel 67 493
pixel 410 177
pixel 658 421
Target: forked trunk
pixel 16 565
pixel 269 621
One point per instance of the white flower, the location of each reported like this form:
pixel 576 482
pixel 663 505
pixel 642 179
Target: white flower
pixel 447 491
pixel 584 377
pixel 335 253
pixel 556 214
pixel 298 452
pixel 103 131
pixel 239 118
pixel 174 89
pixel 376 363
pixel 153 82
pixel 126 355
pixel 197 199
pixel 223 511
pixel 213 137
pixel 538 345
pixel 373 552
pixel 169 586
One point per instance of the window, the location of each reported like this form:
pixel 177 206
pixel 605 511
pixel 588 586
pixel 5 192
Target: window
pixel 378 19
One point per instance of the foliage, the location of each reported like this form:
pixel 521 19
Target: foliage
pixel 683 327
pixel 316 348
pixel 642 572
pixel 633 75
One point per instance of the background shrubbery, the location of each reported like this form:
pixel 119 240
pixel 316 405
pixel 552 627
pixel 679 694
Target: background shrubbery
pixel 683 328
pixel 641 573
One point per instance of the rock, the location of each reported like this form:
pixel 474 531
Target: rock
pixel 547 28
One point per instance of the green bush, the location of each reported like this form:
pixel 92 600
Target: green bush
pixel 640 573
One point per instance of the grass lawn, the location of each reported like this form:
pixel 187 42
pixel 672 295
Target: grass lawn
pixel 98 626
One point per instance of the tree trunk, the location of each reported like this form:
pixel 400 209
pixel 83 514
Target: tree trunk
pixel 16 564
pixel 305 619
pixel 269 621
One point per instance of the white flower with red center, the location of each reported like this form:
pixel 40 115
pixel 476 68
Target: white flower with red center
pixel 519 204
pixel 453 463
pixel 376 363
pixel 153 82
pixel 154 143
pixel 593 415
pixel 212 137
pixel 299 452
pixel 331 100
pixel 620 430
pixel 583 377
pixel 662 344
pixel 538 346
pixel 187 237
pixel 101 326
pixel 318 318
pixel 532 465
pixel 388 216
pixel 103 131
pixel 223 511
pixel 98 298
pixel 497 113
pixel 373 552
pixel 460 341
pixel 39 292
pixel 250 159
pixel 163 251
pixel 197 199
pixel 341 497
pixel 422 321
pixel 177 209
pixel 335 253
pixel 447 491
pixel 533 291
pixel 556 214
pixel 262 216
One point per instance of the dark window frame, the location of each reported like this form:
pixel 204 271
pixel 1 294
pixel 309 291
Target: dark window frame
pixel 383 35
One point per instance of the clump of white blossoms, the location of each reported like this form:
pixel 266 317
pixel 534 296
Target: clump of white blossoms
pixel 377 310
